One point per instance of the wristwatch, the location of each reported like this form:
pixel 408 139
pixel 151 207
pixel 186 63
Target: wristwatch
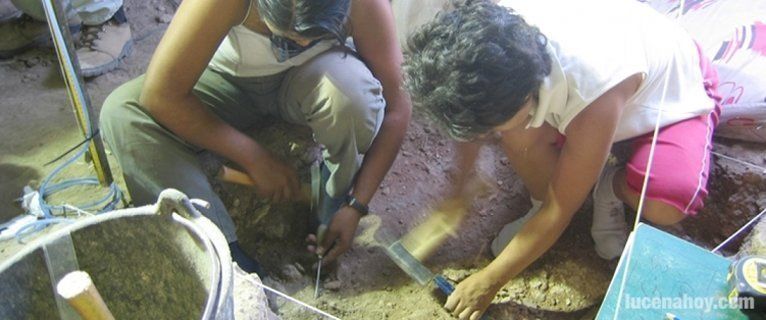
pixel 362 208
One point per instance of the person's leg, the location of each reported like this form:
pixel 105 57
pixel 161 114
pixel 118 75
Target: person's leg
pixel 34 8
pixel 338 97
pixel 609 228
pixel 8 11
pixel 678 180
pixel 96 12
pixel 106 38
pixel 105 41
pixel 676 185
pixel 153 158
pixel 30 29
pixel 678 177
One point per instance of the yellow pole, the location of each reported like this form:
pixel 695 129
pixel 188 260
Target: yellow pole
pixel 70 69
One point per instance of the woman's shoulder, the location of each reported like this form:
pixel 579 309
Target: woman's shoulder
pixel 252 19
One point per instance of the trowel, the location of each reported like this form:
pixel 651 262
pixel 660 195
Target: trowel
pixel 422 241
pixel 416 270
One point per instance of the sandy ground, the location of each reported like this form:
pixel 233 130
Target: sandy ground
pixel 37 124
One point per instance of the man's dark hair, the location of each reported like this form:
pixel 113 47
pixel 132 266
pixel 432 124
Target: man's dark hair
pixel 308 18
pixel 473 67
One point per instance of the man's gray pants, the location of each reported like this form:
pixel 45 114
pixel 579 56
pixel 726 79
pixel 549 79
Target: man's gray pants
pixel 334 94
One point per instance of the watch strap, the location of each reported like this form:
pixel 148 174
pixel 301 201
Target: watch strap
pixel 362 208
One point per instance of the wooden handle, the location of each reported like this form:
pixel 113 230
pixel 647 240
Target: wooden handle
pixel 230 175
pixel 78 290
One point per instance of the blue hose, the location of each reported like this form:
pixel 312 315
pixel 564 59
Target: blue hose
pixel 49 217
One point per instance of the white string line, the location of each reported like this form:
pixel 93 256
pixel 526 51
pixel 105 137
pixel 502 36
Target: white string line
pixel 629 244
pixel 291 299
pixel 639 210
pixel 763 169
pixel 736 234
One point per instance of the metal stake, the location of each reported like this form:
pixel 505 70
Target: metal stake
pixel 319 274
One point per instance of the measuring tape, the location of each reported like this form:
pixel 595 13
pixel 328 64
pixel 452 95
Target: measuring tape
pixel 747 279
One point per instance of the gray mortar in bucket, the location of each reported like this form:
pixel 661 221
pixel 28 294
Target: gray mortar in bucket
pixel 146 266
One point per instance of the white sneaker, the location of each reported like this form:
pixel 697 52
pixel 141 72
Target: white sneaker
pixel 609 230
pixel 510 230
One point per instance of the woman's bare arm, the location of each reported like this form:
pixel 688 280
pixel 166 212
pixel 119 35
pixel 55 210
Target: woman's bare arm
pixel 589 139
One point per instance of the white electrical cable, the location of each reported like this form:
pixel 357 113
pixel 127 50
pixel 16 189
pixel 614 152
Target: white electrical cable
pixel 631 237
pixel 296 301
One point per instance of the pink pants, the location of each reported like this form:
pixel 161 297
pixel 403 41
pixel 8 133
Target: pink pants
pixel 682 156
pixel 681 162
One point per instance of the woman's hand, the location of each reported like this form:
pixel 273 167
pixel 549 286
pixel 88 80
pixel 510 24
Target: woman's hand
pixel 472 296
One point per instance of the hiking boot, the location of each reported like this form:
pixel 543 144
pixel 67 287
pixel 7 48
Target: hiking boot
pixel 609 230
pixel 102 47
pixel 511 229
pixel 8 11
pixel 21 33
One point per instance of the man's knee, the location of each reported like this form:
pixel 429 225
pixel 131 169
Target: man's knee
pixel 339 74
pixel 347 92
pixel 115 111
pixel 363 115
pixel 110 110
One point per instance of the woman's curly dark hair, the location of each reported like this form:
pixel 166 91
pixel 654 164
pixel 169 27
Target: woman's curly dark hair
pixel 473 67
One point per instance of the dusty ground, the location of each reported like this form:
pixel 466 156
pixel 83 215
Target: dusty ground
pixel 37 124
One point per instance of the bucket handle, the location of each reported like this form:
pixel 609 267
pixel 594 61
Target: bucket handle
pixel 172 200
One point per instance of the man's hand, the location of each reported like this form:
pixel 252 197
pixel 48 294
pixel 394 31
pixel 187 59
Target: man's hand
pixel 472 296
pixel 341 233
pixel 273 179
